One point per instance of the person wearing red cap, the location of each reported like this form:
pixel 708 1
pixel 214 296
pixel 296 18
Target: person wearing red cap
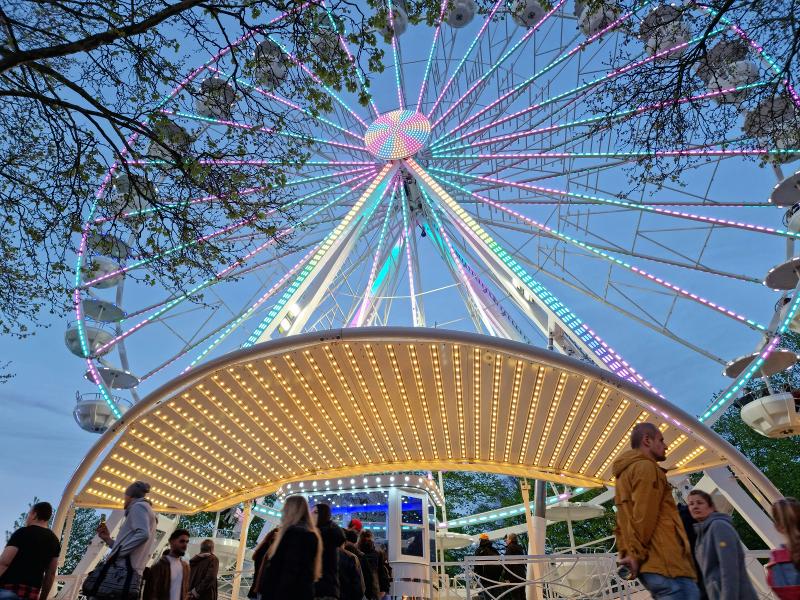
pixel 356 525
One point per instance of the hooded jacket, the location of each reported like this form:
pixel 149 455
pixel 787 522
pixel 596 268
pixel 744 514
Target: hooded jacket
pixel 721 558
pixel 136 533
pixel 491 573
pixel 648 525
pixel 332 538
pixel 203 570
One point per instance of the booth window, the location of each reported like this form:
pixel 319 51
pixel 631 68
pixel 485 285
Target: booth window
pixel 412 530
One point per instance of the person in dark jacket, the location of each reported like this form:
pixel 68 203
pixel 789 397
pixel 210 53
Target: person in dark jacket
pixel 377 567
pixel 327 588
pixel 168 577
pixel 515 573
pixel 203 570
pixel 371 587
pixel 688 526
pixel 351 581
pixel 258 560
pixel 295 556
pixel 719 551
pixel 488 574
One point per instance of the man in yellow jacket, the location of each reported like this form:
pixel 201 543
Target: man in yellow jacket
pixel 650 536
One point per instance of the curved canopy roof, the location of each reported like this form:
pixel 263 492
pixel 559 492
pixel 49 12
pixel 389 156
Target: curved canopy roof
pixel 357 401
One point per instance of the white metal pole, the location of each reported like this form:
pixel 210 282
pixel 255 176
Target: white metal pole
pixel 237 574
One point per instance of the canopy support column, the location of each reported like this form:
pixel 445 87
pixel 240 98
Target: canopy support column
pixel 237 574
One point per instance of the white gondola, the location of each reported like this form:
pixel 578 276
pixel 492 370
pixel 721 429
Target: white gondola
pixel 172 139
pixel 664 28
pixel 109 245
pixel 131 192
pixel 461 13
pixel 526 13
pixel 95 336
pixel 102 311
pixel 792 218
pixel 774 124
pixel 114 378
pixel 774 415
pixel 325 39
pixel 216 99
pixel 593 20
pixel 271 65
pixel 93 414
pixel 398 24
pixel 787 191
pixel 727 65
pixel 96 267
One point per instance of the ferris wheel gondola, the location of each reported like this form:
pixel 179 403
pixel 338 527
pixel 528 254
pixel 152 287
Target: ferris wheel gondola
pixel 487 165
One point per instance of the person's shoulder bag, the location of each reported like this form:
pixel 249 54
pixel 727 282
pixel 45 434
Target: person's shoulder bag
pixel 113 579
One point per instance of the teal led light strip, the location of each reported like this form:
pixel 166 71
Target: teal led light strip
pixel 602 351
pixel 328 242
pixel 246 315
pixel 611 258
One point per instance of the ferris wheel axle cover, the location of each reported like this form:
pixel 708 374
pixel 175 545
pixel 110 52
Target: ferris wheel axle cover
pixel 778 361
pixel 787 192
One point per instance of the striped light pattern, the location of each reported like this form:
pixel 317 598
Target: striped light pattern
pixel 262 418
pixel 397 134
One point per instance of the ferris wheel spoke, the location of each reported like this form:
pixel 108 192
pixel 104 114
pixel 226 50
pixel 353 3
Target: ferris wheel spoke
pixel 436 33
pixel 356 69
pixel 581 336
pixel 448 147
pixel 626 204
pixel 220 275
pixel 581 88
pixel 579 286
pixel 417 316
pixel 290 104
pixel 319 82
pixel 287 134
pixel 366 304
pixel 221 232
pixel 496 65
pixel 398 74
pixel 515 90
pixel 678 290
pixel 467 53
pixel 332 244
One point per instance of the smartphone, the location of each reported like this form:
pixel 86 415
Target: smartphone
pixel 103 519
pixel 624 572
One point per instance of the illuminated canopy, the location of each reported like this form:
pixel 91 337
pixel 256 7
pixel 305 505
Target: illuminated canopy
pixel 360 401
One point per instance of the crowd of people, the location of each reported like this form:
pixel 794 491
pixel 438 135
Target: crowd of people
pixel 309 557
pixel 701 555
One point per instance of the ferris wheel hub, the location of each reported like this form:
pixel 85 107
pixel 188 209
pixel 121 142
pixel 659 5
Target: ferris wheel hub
pixel 397 134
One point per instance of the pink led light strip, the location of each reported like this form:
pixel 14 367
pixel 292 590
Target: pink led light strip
pixel 316 79
pixel 436 33
pixel 634 155
pixel 611 258
pixel 218 276
pixel 478 36
pixel 502 59
pixel 256 128
pixel 244 192
pixel 621 114
pixel 643 207
pixel 366 304
pixel 82 247
pixel 526 83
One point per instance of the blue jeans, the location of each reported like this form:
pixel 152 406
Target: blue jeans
pixel 669 588
pixel 8 595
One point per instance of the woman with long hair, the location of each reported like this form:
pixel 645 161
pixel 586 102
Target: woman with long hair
pixel 293 561
pixel 783 569
pixel 259 553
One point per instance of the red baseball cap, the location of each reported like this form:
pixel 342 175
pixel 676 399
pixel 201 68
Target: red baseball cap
pixel 355 524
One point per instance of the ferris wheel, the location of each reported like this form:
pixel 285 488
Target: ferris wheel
pixel 473 190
